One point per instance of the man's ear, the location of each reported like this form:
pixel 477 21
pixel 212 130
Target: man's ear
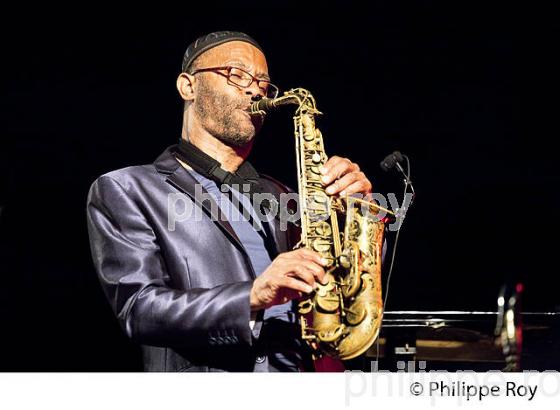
pixel 186 86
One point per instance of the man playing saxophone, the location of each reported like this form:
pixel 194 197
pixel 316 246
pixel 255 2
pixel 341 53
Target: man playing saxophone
pixel 214 293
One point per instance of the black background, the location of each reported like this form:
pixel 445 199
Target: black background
pixel 89 91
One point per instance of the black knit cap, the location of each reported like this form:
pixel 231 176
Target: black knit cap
pixel 208 41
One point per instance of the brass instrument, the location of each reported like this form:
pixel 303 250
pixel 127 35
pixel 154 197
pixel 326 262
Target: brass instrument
pixel 343 317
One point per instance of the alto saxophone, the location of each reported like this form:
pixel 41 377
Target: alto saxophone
pixel 341 318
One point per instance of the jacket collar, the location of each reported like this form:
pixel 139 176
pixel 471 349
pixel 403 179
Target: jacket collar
pixel 166 163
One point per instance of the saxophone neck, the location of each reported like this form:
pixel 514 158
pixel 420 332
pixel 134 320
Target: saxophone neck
pixel 297 96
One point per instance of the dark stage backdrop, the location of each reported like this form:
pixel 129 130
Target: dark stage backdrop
pixel 95 91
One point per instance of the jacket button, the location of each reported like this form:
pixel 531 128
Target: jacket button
pixel 261 359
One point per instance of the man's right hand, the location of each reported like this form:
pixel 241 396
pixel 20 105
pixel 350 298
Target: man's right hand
pixel 289 276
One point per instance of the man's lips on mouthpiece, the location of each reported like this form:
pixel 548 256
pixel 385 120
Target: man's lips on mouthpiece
pixel 248 111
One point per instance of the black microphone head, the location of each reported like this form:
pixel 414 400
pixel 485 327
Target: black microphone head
pixel 388 162
pixel 399 157
pixel 391 160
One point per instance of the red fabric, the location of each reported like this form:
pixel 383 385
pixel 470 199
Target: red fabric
pixel 328 364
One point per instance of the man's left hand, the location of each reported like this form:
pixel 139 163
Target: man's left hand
pixel 343 177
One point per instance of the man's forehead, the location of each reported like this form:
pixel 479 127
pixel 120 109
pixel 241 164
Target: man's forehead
pixel 236 51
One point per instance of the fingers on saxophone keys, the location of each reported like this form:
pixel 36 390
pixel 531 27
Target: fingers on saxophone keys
pixel 308 271
pixel 312 262
pixel 350 183
pixel 296 284
pixel 360 186
pixel 316 270
pixel 337 169
pixel 308 254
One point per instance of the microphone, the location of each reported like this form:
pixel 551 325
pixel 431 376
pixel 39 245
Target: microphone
pixel 394 160
pixel 391 160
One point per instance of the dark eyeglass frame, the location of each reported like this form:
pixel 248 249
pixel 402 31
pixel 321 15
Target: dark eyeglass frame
pixel 275 90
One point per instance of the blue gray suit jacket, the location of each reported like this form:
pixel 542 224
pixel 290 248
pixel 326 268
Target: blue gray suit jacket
pixel 182 294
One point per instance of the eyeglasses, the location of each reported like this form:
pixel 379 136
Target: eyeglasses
pixel 241 78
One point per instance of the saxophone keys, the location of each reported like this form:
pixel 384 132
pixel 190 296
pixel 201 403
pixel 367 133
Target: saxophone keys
pixel 352 283
pixel 329 336
pixel 321 245
pixel 305 306
pixel 330 261
pixel 355 315
pixel 315 170
pixel 328 303
pixel 323 290
pixel 345 259
pixel 320 198
pixel 323 229
pixel 308 136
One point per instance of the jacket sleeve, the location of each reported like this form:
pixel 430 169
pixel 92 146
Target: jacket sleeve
pixel 133 275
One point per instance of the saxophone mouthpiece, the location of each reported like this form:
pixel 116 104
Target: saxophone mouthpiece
pixel 262 106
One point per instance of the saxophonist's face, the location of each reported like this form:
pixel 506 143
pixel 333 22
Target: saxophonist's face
pixel 219 103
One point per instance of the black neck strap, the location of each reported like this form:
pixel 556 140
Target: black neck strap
pixel 209 168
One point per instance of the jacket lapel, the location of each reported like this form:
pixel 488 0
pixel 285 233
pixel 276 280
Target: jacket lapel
pixel 181 179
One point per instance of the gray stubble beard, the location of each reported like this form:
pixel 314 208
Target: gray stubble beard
pixel 217 115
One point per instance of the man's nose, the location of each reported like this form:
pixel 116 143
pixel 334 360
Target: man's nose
pixel 255 91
